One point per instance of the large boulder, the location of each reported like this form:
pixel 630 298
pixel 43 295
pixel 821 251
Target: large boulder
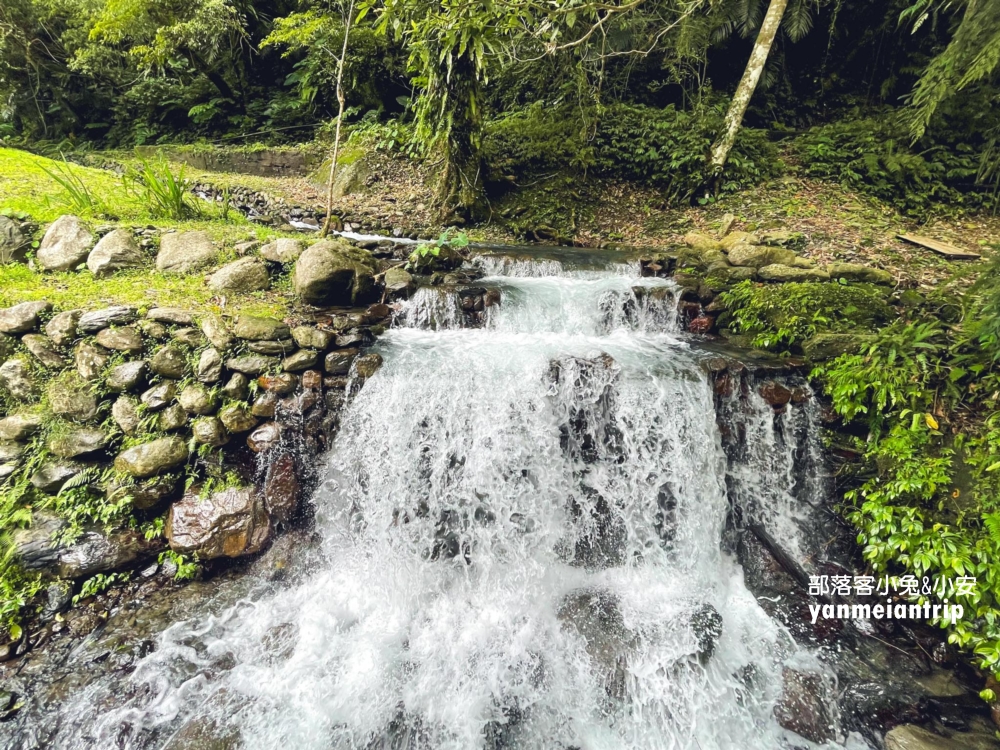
pixel 857 272
pixel 185 252
pixel 281 488
pixel 780 272
pixel 115 251
pixel 125 413
pixel 230 523
pixel 13 244
pixel 65 245
pixel 243 275
pixel 152 458
pixel 126 377
pixel 22 318
pixel 209 367
pixel 283 250
pixel 332 272
pixel 52 475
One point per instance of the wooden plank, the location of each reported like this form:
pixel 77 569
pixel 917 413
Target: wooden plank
pixel 941 248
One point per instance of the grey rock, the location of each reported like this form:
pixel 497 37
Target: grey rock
pixel 10 451
pixel 78 442
pixel 125 412
pixel 159 396
pixel 115 251
pixel 354 337
pixel 758 256
pixel 156 457
pixel 782 273
pixel 190 337
pixel 172 418
pixel 272 348
pixel 65 245
pixel 252 364
pixel 237 418
pixel 169 362
pixel 339 362
pixel 7 471
pixel 13 244
pixel 58 598
pixel 94 321
pixel 196 399
pixel 209 431
pixel 153 330
pixel 230 523
pixel 243 275
pixel 52 475
pixel 125 339
pixel 44 351
pixel 90 360
pixel 399 283
pixel 172 315
pixel 217 333
pixel 127 377
pixel 146 494
pixel 35 546
pixel 312 338
pixel 97 551
pixel 16 379
pixel 22 318
pixel 20 427
pixel 72 398
pixel 301 360
pixel 333 272
pixel 253 328
pixel 209 369
pixel 237 388
pixel 185 252
pixel 62 328
pixel 283 250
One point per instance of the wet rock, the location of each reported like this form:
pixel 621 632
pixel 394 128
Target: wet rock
pixel 148 493
pixel 78 442
pixel 171 315
pixel 94 321
pixel 98 552
pixel 367 365
pixel 282 384
pixel 264 405
pixel 58 598
pixel 857 272
pixel 701 325
pixel 912 737
pixel 283 250
pixel 90 360
pixel 230 523
pixel 156 457
pixel 22 318
pixel 126 339
pixel 312 379
pixel 301 360
pixel 775 393
pixel 72 398
pixel 339 362
pixel 42 348
pixel 264 437
pixel 169 362
pixel 237 388
pixel 354 337
pixel 117 250
pixel 237 418
pixel 783 273
pixel 399 283
pixel 189 337
pixel 62 327
pixel 281 488
pixel 312 338
pixel 252 364
pixel 209 368
pixel 159 396
pixel 185 252
pixel 13 243
pixel 196 399
pixel 805 707
pixel 20 427
pixel 333 272
pixel 129 376
pixel 280 348
pixel 596 617
pixel 706 622
pixel 172 418
pixel 209 431
pixel 253 328
pixel 125 413
pixel 34 546
pixel 243 275
pixel 215 330
pixel 65 245
pixel 16 379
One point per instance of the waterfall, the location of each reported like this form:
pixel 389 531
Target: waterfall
pixel 520 530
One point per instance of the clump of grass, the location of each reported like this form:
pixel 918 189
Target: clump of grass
pixel 77 195
pixel 164 193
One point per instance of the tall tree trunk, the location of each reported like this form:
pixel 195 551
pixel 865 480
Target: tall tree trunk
pixel 748 84
pixel 340 119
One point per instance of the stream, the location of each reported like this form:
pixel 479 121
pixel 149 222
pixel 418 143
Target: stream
pixel 518 544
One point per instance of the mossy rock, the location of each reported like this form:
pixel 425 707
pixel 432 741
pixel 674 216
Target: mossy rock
pixel 832 345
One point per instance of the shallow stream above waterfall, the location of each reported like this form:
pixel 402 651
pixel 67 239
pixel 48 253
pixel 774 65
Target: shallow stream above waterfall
pixel 520 542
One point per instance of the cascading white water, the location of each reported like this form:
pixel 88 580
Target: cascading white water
pixel 521 532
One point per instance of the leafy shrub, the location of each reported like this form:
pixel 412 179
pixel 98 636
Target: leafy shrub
pixel 786 314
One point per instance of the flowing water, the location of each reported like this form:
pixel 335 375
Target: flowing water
pixel 521 530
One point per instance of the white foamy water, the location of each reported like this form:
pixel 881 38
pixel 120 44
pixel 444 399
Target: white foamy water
pixel 521 531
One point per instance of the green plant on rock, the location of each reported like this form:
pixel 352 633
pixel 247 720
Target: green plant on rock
pixel 187 568
pixel 99 583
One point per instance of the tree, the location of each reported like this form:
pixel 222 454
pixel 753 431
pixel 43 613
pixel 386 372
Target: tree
pixel 348 16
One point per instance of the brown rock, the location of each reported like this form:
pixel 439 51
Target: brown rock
pixel 230 523
pixel 775 393
pixel 281 488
